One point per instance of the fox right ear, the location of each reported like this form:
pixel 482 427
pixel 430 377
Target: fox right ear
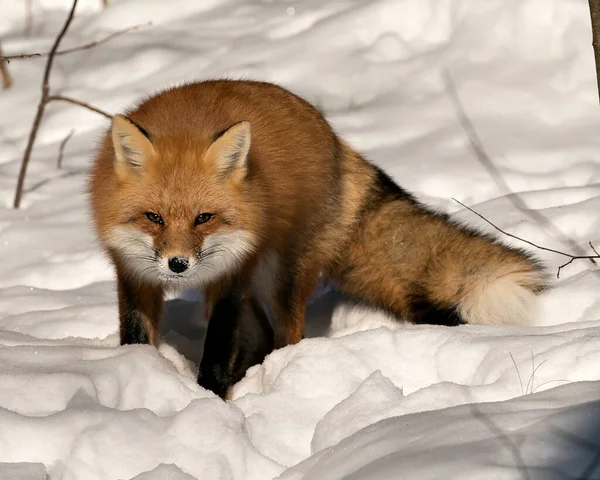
pixel 228 153
pixel 133 148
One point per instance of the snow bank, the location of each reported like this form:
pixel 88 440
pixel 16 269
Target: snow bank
pixel 366 397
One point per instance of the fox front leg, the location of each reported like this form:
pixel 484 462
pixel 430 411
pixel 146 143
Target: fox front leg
pixel 239 336
pixel 291 299
pixel 140 312
pixel 220 342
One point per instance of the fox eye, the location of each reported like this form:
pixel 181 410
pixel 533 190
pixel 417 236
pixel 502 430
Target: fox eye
pixel 154 218
pixel 203 218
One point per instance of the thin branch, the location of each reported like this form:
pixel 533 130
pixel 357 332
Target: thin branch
pixel 61 149
pixel 42 105
pixel 564 254
pixel 566 264
pixel 118 33
pixel 4 73
pixel 54 48
pixel 47 98
pixel 594 250
pixel 63 98
pixel 510 234
pixel 595 17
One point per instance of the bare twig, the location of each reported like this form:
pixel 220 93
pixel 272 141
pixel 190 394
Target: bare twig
pixel 41 107
pixel 47 98
pixel 63 98
pixel 594 250
pixel 61 149
pixel 564 254
pixel 6 78
pixel 118 33
pixel 595 16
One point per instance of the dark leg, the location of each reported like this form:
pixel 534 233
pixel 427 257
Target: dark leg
pixel 220 343
pixel 140 312
pixel 238 336
pixel 254 339
pixel 291 306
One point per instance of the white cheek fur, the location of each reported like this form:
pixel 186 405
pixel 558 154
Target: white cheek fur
pixel 136 251
pixel 222 253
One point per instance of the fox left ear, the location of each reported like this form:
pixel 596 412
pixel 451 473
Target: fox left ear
pixel 229 151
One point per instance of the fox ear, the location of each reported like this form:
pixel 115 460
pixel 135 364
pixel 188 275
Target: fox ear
pixel 229 151
pixel 133 148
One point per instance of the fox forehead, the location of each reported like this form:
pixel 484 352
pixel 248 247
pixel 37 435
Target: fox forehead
pixel 181 146
pixel 178 162
pixel 178 188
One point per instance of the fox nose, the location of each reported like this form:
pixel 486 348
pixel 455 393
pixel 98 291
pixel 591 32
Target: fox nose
pixel 178 264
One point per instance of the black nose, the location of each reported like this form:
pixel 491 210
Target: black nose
pixel 178 264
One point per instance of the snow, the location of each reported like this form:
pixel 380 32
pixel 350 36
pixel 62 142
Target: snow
pixel 364 396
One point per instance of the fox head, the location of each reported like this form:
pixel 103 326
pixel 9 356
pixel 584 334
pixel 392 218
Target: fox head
pixel 182 216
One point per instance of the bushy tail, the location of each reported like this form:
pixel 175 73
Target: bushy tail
pixel 510 298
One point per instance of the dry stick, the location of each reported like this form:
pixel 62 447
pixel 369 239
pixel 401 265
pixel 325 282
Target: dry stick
pixel 61 149
pixel 595 16
pixel 6 78
pixel 41 107
pixel 591 259
pixel 63 98
pixel 118 33
pixel 564 254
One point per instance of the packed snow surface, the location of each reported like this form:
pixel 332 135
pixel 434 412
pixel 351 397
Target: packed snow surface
pixel 363 397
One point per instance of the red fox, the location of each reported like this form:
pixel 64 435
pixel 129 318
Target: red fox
pixel 243 189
